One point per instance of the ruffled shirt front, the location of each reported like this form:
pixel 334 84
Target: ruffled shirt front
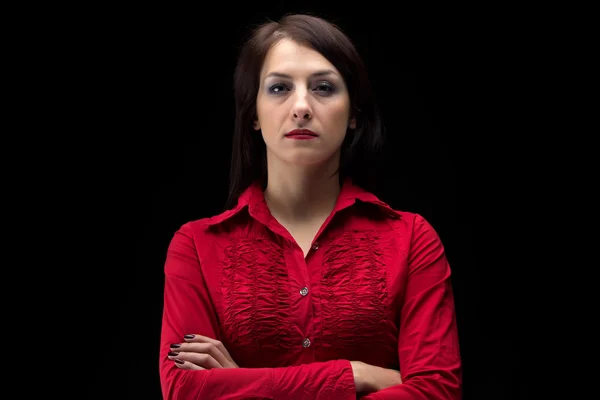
pixel 375 287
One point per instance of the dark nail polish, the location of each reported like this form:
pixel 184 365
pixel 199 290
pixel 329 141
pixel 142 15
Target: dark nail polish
pixel 173 354
pixel 175 346
pixel 188 336
pixel 179 361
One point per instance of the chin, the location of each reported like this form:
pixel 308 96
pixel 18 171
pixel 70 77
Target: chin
pixel 306 157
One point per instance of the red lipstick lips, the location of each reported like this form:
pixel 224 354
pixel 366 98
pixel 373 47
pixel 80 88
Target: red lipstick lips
pixel 302 134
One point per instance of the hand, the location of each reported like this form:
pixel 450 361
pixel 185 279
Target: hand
pixel 370 378
pixel 200 352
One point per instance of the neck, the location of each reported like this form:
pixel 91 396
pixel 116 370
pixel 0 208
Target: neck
pixel 301 194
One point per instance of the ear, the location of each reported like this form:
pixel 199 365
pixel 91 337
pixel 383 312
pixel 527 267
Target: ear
pixel 256 125
pixel 352 123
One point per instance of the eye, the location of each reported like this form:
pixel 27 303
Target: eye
pixel 324 87
pixel 278 88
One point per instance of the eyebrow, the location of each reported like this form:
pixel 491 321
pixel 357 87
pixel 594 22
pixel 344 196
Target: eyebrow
pixel 315 74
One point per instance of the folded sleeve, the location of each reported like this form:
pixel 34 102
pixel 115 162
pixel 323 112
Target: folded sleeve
pixel 428 347
pixel 188 309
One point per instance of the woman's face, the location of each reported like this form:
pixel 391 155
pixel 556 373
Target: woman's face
pixel 301 89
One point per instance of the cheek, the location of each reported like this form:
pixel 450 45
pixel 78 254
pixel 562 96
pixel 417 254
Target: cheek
pixel 339 114
pixel 267 112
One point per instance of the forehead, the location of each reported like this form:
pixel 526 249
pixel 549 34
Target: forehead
pixel 289 57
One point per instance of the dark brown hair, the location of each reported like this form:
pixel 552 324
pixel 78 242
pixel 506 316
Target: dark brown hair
pixel 361 146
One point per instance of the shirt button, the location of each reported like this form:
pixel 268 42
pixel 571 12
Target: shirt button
pixel 304 291
pixel 306 342
pixel 315 246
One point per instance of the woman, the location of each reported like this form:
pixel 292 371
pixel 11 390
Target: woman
pixel 308 286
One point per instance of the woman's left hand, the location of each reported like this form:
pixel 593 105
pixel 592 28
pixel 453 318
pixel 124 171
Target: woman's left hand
pixel 200 352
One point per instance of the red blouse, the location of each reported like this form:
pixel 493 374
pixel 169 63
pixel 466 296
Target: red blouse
pixel 375 287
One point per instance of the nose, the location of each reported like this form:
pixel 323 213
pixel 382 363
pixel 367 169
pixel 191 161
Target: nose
pixel 301 109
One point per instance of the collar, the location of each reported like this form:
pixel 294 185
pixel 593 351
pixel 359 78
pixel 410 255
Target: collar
pixel 253 200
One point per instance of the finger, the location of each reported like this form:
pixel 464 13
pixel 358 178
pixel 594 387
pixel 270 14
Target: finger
pixel 205 339
pixel 206 361
pixel 210 349
pixel 182 364
pixel 203 360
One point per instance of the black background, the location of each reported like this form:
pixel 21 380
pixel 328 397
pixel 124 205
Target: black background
pixel 154 104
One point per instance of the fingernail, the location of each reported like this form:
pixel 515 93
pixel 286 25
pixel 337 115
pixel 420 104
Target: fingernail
pixel 179 361
pixel 188 336
pixel 173 354
pixel 175 346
